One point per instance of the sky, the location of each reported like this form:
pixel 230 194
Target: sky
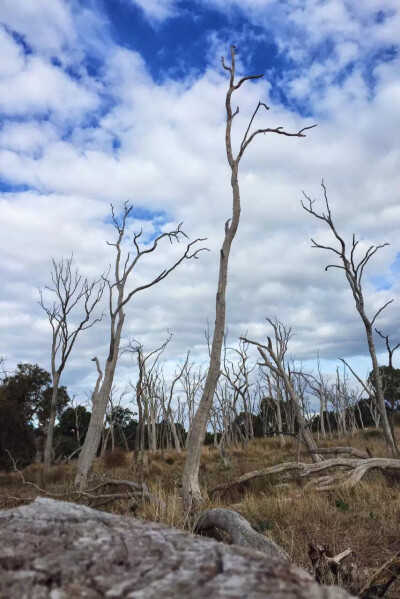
pixel 108 101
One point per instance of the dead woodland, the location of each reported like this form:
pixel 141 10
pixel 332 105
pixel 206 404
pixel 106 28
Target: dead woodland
pixel 248 446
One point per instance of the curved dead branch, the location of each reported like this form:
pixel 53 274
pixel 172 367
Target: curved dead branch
pixel 239 530
pixel 355 470
pixel 284 467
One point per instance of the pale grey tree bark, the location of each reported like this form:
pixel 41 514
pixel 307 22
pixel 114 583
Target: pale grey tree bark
pixel 190 478
pixel 72 294
pixel 354 272
pixel 118 299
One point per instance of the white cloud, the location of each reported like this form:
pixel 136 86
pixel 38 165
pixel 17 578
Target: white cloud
pixel 325 39
pixel 40 87
pixel 47 26
pixel 156 10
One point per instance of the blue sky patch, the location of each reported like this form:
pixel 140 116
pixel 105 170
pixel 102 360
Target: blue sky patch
pixel 7 187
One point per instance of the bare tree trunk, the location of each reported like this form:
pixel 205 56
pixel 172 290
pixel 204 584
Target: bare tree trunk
pixel 380 400
pixel 190 477
pixel 278 413
pixel 50 427
pixel 190 480
pixel 305 431
pixel 40 439
pixel 138 430
pixel 279 421
pixel 153 430
pixel 174 433
pixel 99 406
pixel 322 414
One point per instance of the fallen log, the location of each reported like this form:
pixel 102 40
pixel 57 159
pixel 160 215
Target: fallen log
pixel 358 453
pixel 239 530
pixel 51 549
pixel 284 467
pixel 356 469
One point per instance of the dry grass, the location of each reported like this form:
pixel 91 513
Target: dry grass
pixel 366 518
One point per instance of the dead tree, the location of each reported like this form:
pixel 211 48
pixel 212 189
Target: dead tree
pixel 147 366
pixel 113 417
pixel 238 376
pixel 392 389
pixel 192 384
pixel 274 361
pixel 71 294
pixel 274 382
pixel 190 478
pixel 169 416
pixel 354 272
pixel 119 297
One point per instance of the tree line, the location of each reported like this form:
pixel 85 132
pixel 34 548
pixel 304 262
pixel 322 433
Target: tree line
pixel 247 405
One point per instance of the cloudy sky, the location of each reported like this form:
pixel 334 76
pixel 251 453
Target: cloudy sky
pixel 105 101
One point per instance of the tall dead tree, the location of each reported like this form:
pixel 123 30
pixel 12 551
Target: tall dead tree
pixel 392 388
pixel 238 377
pixel 354 271
pixel 274 360
pixel 190 479
pixel 72 294
pixel 149 373
pixel 119 297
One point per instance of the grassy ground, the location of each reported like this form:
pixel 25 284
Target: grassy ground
pixel 366 518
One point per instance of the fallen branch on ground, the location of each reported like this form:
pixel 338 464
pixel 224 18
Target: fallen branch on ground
pixel 357 453
pixel 284 467
pixel 240 531
pixel 137 490
pixel 356 470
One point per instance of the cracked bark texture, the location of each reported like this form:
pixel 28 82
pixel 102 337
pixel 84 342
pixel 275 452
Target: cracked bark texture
pixel 59 550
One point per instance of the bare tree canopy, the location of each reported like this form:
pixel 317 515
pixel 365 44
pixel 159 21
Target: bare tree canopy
pixel 71 294
pixel 118 298
pixel 354 271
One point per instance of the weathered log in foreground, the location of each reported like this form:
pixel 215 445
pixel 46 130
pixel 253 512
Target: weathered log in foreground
pixel 58 550
pixel 239 530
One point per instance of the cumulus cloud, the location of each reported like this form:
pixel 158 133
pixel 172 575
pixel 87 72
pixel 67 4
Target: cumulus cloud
pixel 156 10
pixel 72 141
